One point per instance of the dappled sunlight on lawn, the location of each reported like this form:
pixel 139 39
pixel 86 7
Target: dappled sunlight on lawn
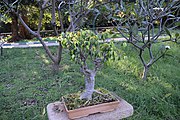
pixel 44 58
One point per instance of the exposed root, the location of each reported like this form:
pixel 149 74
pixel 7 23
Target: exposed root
pixel 86 95
pixel 99 92
pixel 86 103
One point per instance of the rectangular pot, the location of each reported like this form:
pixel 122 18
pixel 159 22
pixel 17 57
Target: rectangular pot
pixel 85 111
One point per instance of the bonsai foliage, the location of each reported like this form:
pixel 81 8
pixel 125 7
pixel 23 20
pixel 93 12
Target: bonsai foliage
pixel 90 53
pixel 142 23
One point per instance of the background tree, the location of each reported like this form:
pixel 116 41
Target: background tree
pixel 86 50
pixel 18 31
pixel 77 10
pixel 142 23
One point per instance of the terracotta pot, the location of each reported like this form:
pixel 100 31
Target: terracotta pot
pixel 85 111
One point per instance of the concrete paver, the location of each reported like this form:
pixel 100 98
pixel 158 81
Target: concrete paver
pixel 124 110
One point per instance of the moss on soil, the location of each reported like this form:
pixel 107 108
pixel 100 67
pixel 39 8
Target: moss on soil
pixel 73 101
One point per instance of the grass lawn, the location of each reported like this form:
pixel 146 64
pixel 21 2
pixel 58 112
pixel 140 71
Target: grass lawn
pixel 27 84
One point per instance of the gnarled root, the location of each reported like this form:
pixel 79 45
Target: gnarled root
pixel 86 95
pixel 99 92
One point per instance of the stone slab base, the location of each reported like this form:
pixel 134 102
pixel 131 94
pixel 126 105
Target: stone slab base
pixel 56 111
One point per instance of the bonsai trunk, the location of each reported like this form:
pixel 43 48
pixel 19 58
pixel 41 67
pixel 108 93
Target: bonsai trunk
pixel 145 71
pixel 89 86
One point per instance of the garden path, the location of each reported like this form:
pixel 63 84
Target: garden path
pixel 49 43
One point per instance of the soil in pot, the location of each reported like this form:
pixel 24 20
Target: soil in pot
pixel 73 101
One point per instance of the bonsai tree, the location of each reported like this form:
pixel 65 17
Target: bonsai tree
pixel 142 24
pixel 90 53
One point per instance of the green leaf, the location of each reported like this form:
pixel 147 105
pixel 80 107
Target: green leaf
pixel 167 95
pixel 73 56
pixel 177 23
pixel 177 35
pixel 135 29
pixel 124 44
pixel 168 32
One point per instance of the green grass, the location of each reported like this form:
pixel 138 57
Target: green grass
pixel 27 84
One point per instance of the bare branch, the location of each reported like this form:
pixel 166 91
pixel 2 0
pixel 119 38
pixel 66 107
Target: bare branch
pixel 158 57
pixel 53 21
pixel 40 21
pixel 60 16
pixel 44 4
pixel 141 58
pixel 14 2
pixel 151 55
pixel 59 53
pixel 71 19
pixel 25 25
pixel 38 36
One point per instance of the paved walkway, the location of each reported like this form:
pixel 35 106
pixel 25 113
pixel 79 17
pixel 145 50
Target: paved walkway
pixel 49 43
pixel 29 44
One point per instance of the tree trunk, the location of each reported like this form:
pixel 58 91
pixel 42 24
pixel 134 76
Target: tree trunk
pixel 55 67
pixel 55 59
pixel 145 72
pixel 89 86
pixel 14 28
pixel 23 32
